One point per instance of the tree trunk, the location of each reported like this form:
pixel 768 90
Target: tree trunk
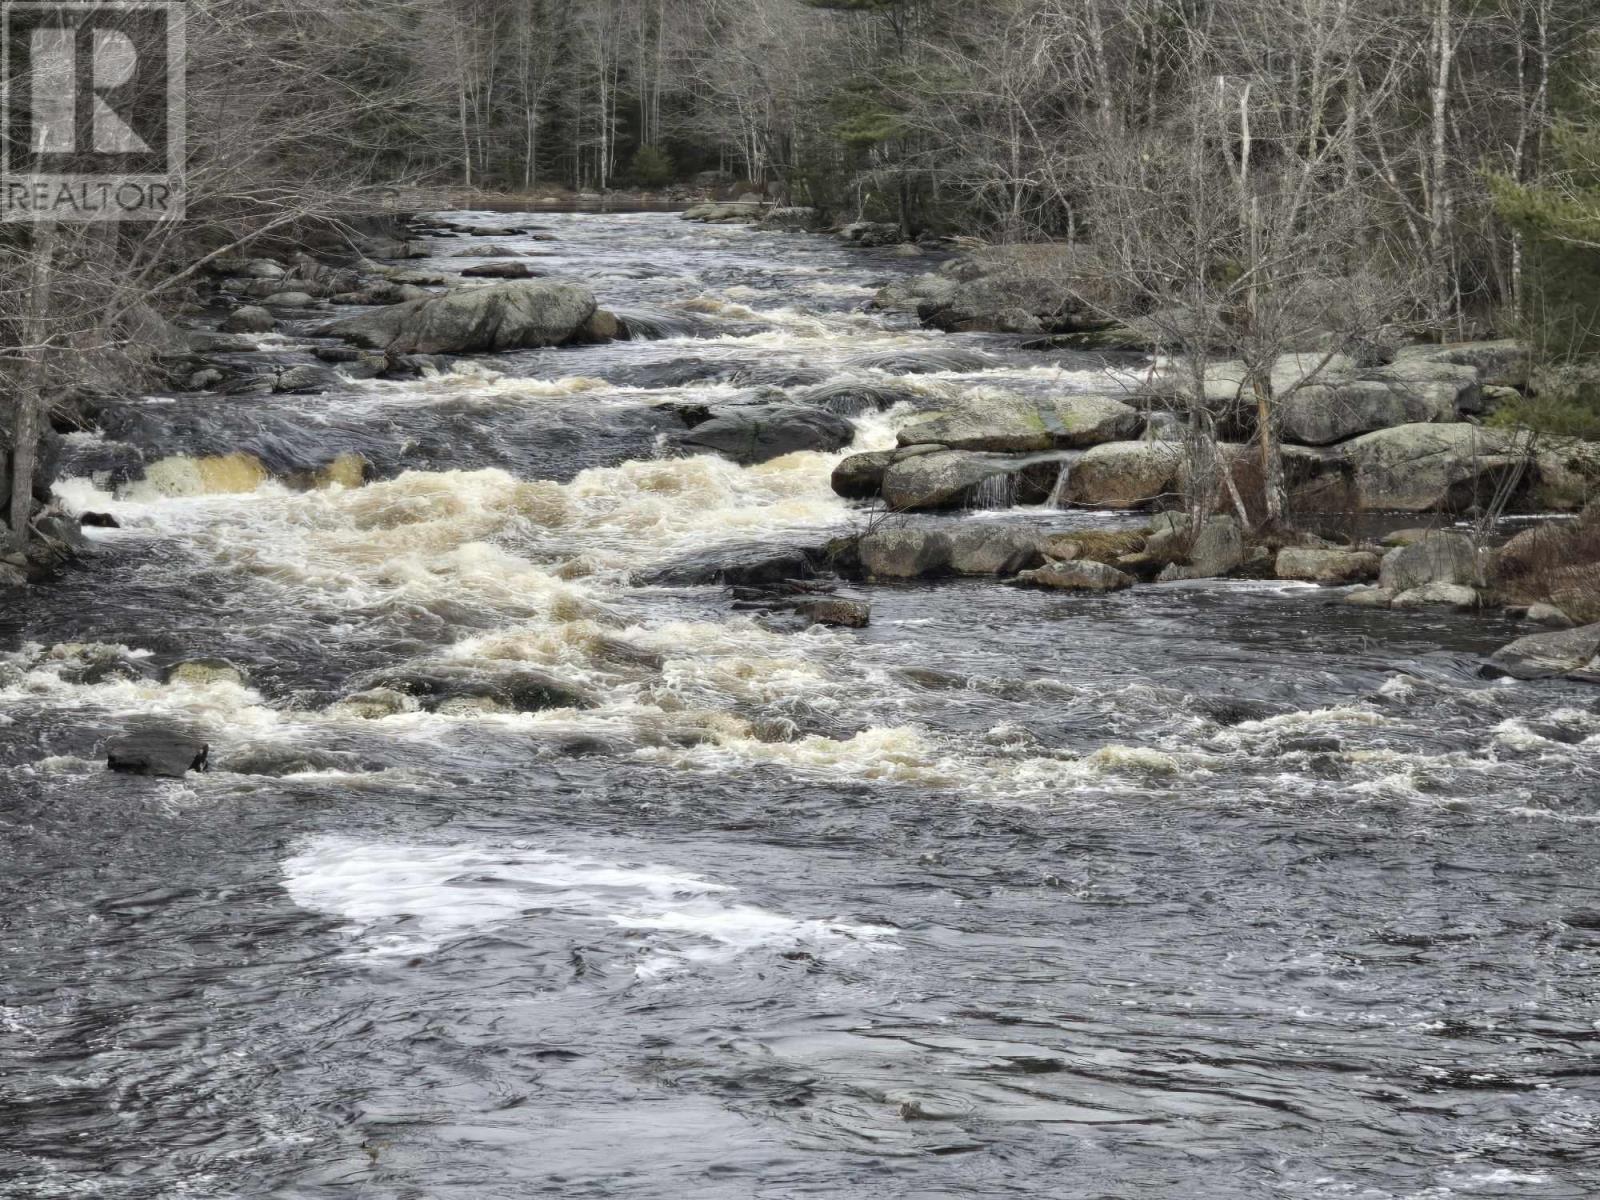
pixel 30 393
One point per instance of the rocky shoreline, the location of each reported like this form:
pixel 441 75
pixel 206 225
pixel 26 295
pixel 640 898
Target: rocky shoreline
pixel 1406 436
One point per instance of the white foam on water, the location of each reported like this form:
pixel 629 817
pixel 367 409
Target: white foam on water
pixel 406 898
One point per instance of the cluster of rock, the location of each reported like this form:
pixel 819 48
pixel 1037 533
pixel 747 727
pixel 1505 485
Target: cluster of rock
pixel 1021 447
pixel 1010 289
pixel 1404 437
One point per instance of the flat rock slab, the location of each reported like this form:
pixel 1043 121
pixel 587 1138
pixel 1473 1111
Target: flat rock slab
pixel 1546 655
pixel 165 754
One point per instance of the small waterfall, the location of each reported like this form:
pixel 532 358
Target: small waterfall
pixel 997 491
pixel 1059 492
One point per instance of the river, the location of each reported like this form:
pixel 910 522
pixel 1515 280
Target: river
pixel 1194 891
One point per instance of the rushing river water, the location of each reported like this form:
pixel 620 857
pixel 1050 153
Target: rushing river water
pixel 1195 891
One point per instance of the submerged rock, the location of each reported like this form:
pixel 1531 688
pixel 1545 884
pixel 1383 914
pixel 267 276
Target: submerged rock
pixel 164 753
pixel 1545 655
pixel 758 433
pixel 507 316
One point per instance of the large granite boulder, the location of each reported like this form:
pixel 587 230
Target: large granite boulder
pixel 520 315
pixel 903 552
pixel 1124 474
pixel 1429 468
pixel 1322 414
pixel 993 548
pixel 1217 550
pixel 1326 566
pixel 954 479
pixel 1015 424
pixel 860 477
pixel 1441 557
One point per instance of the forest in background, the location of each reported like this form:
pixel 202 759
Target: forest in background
pixel 1246 177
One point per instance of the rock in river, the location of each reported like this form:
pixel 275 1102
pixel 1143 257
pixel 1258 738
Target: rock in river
pixel 1012 423
pixel 166 753
pixel 757 433
pixel 1543 655
pixel 507 316
pixel 1326 566
pixel 1080 575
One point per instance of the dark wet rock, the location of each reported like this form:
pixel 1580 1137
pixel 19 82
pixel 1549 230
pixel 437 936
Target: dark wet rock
pixel 860 477
pixel 1545 655
pixel 757 433
pixel 1079 575
pixel 249 319
pixel 853 398
pixel 502 270
pixel 384 293
pixel 277 761
pixel 525 690
pixel 507 316
pixel 751 565
pixel 99 520
pixel 1310 745
pixel 1234 710
pixel 1326 566
pixel 1441 557
pixel 904 552
pixel 164 753
pixel 837 611
pixel 955 478
pixel 923 362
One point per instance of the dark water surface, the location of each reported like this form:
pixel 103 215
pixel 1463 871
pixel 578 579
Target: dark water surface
pixel 1196 891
